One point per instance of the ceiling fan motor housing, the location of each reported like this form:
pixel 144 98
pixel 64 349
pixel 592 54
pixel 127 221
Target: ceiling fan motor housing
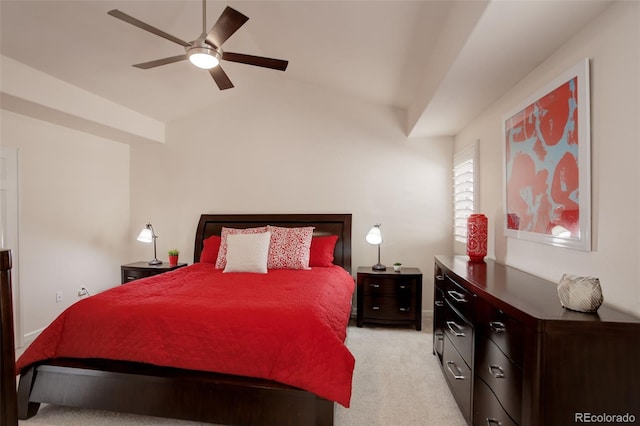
pixel 202 55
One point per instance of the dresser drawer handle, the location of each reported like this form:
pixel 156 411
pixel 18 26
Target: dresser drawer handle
pixel 458 297
pixel 375 308
pixel 404 287
pixel 456 375
pixel 439 303
pixel 131 278
pixel 405 309
pixel 440 277
pixel 457 331
pixel 496 371
pixel 497 327
pixel 374 285
pixel 493 422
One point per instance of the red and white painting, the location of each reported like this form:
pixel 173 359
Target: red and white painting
pixel 547 193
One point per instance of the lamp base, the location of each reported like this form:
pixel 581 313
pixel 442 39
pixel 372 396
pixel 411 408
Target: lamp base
pixel 379 267
pixel 155 262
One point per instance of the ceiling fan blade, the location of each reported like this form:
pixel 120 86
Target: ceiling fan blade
pixel 158 62
pixel 221 78
pixel 227 24
pixel 144 26
pixel 259 61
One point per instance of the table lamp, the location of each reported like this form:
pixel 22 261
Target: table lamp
pixel 147 236
pixel 374 236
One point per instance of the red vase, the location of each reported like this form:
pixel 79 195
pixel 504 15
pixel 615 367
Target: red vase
pixel 173 260
pixel 477 237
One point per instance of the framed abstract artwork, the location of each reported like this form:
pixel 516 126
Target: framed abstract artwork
pixel 547 194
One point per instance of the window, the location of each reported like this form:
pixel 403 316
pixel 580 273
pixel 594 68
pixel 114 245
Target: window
pixel 465 190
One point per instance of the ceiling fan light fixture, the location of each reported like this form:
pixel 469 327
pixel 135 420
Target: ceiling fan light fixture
pixel 203 57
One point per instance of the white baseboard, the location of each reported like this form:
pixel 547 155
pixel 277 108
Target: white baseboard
pixel 30 337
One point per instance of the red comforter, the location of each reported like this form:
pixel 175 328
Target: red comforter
pixel 288 326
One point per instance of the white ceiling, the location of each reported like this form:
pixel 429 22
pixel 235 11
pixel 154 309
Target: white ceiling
pixel 442 62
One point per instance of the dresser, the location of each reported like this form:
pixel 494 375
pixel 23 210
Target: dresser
pixel 389 297
pixel 511 355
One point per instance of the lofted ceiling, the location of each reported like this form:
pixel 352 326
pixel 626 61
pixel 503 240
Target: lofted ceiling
pixel 441 62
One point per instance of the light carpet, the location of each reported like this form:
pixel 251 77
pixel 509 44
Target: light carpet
pixel 397 382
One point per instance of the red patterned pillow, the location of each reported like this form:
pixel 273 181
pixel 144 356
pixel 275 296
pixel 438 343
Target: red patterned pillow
pixel 221 262
pixel 289 248
pixel 210 250
pixel 321 253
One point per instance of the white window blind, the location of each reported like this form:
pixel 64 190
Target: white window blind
pixel 465 193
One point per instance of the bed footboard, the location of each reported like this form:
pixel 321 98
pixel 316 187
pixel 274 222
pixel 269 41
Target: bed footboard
pixel 173 393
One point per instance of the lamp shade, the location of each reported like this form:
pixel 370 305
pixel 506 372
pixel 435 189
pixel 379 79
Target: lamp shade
pixel 145 236
pixel 374 236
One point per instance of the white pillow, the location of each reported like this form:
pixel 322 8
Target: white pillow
pixel 248 252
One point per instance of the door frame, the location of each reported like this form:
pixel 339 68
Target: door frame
pixel 9 228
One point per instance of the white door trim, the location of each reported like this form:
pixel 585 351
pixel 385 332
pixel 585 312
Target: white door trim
pixel 9 228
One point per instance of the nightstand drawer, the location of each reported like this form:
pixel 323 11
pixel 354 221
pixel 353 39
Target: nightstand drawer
pixel 131 275
pixel 137 270
pixel 389 287
pixel 388 308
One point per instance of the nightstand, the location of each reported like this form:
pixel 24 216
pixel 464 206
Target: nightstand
pixel 389 298
pixel 133 271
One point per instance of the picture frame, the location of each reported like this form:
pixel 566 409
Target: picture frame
pixel 547 161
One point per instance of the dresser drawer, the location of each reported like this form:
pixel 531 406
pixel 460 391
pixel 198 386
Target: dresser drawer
pixel 501 375
pixel 460 333
pixel 439 313
pixel 459 297
pixel 487 411
pixel 503 330
pixel 459 378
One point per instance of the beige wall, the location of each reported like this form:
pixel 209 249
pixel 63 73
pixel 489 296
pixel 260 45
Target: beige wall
pixel 295 148
pixel 73 214
pixel 611 42
pixel 291 147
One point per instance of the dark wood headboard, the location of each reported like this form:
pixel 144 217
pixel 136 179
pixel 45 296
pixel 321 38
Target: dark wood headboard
pixel 325 224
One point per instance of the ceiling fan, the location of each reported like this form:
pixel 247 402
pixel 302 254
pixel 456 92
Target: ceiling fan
pixel 205 52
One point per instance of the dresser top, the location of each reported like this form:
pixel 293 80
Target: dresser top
pixel 507 287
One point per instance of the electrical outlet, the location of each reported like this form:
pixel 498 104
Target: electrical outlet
pixel 58 296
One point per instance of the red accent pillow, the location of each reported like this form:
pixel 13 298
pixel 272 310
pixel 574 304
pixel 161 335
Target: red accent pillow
pixel 210 250
pixel 289 247
pixel 322 248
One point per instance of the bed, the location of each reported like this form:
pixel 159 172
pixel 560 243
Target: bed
pixel 193 393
